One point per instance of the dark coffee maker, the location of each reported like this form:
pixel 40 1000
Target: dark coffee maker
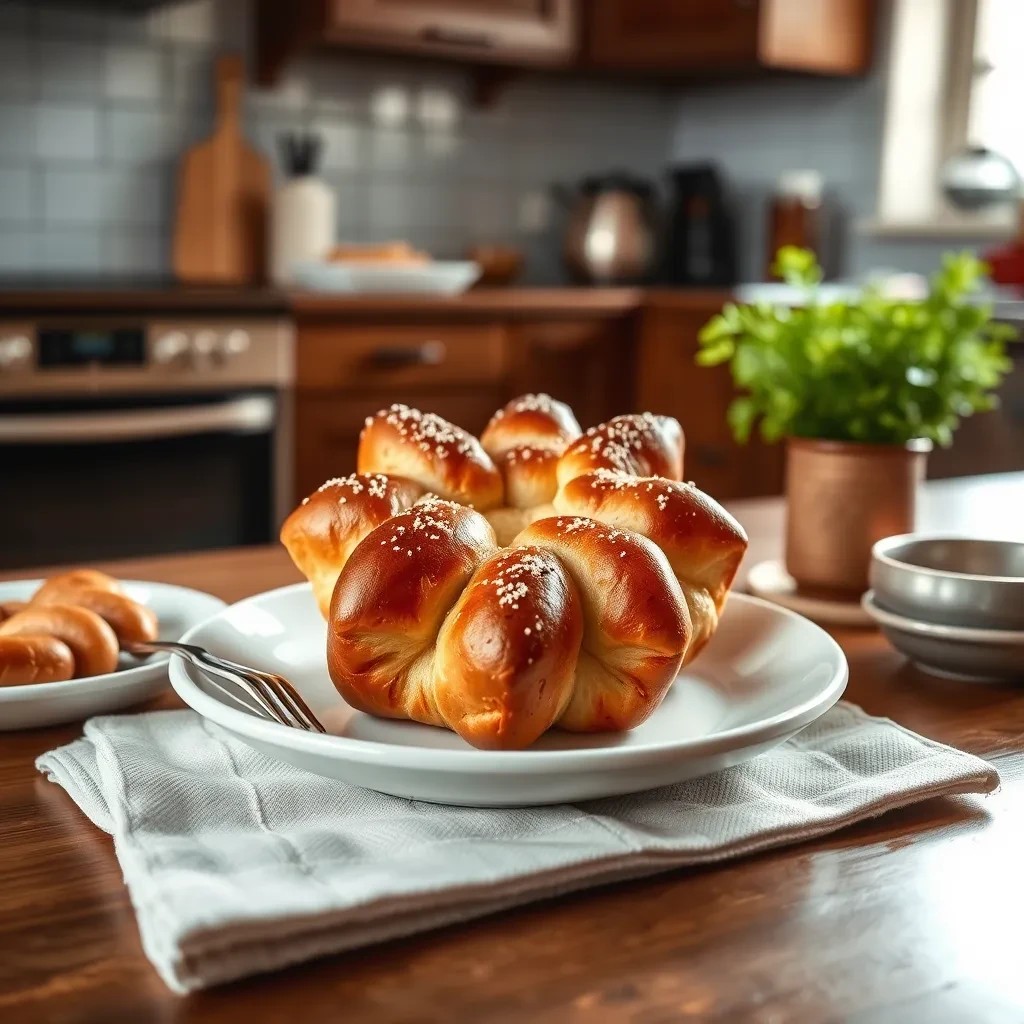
pixel 699 245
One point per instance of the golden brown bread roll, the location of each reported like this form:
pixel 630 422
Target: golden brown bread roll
pixel 390 600
pixel 506 654
pixel 77 579
pixel 9 608
pixel 636 625
pixel 703 543
pixel 91 641
pixel 525 439
pixel 533 420
pixel 322 532
pixel 442 458
pixel 638 443
pixel 578 625
pixel 34 659
pixel 131 621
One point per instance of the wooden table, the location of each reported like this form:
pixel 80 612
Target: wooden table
pixel 914 917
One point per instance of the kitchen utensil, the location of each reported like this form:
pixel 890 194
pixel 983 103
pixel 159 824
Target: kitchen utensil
pixel 770 581
pixel 37 704
pixel 959 652
pixel 275 698
pixel 700 244
pixel 796 215
pixel 977 178
pixel 766 674
pixel 441 277
pixel 952 580
pixel 302 214
pixel 499 264
pixel 223 195
pixel 609 237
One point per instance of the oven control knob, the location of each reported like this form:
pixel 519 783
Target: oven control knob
pixel 235 343
pixel 15 351
pixel 171 347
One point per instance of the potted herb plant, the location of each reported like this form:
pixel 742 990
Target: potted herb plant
pixel 860 389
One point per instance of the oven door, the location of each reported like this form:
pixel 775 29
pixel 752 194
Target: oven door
pixel 88 479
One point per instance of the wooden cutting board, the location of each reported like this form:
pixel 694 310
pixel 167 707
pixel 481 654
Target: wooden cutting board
pixel 223 196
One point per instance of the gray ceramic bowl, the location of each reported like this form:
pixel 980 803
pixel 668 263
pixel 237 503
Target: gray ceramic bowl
pixel 959 652
pixel 955 581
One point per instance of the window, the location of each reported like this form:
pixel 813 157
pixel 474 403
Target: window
pixel 954 79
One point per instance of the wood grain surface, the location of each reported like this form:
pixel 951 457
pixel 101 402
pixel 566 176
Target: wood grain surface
pixel 913 917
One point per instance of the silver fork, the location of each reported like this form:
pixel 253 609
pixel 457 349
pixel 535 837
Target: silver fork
pixel 275 697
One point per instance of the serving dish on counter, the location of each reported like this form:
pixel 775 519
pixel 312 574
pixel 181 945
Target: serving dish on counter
pixel 437 277
pixel 766 674
pixel 29 706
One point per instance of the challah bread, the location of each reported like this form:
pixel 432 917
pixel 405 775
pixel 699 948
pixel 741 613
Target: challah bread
pixel 91 641
pixel 536 421
pixel 577 625
pixel 636 627
pixel 390 600
pixel 323 531
pixel 638 443
pixel 34 659
pixel 439 456
pixel 526 439
pixel 131 621
pixel 703 543
pixel 506 654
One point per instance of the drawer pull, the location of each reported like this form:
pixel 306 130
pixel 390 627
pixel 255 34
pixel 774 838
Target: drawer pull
pixel 429 353
pixel 454 37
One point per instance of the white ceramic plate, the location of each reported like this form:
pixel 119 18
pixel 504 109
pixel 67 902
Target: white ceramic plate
pixel 766 675
pixel 38 704
pixel 959 652
pixel 770 581
pixel 442 277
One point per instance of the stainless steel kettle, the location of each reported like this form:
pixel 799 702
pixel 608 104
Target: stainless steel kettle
pixel 609 235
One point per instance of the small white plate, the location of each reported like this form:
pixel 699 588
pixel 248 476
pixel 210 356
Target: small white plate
pixel 959 652
pixel 766 674
pixel 442 277
pixel 770 581
pixel 38 704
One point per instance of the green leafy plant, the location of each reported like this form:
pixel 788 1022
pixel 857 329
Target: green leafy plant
pixel 873 369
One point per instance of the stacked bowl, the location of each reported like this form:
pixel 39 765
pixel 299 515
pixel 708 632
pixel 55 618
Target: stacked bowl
pixel 953 605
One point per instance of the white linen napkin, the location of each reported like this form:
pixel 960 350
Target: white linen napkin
pixel 238 864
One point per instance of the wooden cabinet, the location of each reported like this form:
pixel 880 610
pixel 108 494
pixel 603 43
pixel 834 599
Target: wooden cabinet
pixel 463 371
pixel 345 373
pixel 502 31
pixel 587 364
pixel 670 382
pixel 716 36
pixel 989 442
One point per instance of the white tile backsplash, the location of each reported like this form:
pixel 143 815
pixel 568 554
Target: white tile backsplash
pixel 105 196
pixel 134 72
pixel 97 107
pixel 17 196
pixel 68 70
pixel 67 132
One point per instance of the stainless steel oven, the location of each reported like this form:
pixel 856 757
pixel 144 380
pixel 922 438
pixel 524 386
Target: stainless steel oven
pixel 122 437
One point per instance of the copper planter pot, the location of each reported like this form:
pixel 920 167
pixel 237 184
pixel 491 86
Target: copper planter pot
pixel 841 498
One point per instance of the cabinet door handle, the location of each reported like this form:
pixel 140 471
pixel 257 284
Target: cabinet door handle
pixel 455 37
pixel 429 353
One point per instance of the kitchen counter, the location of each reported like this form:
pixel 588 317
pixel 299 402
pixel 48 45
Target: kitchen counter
pixel 155 297
pixel 504 303
pixel 910 917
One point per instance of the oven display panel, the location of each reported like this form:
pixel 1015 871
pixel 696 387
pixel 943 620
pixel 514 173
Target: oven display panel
pixel 117 346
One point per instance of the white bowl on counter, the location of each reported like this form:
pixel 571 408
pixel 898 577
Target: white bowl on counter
pixel 440 277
